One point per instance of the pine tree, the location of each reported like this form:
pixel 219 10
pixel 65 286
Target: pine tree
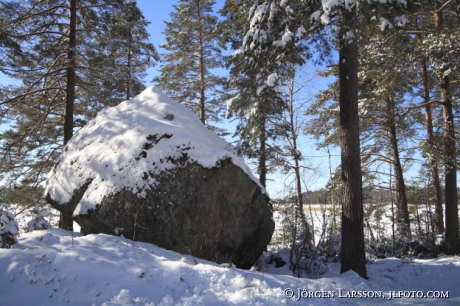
pixel 265 26
pixel 125 52
pixel 188 74
pixel 445 64
pixel 9 48
pixel 47 87
pixel 389 131
pixel 256 93
pixel 430 147
pixel 60 75
pixel 436 27
pixel 352 250
pixel 272 27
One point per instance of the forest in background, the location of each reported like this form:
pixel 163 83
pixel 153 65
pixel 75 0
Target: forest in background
pixel 395 98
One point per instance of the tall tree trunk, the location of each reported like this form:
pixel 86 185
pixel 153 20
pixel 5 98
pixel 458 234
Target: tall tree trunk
pixel 262 153
pixel 402 214
pixel 438 212
pixel 298 182
pixel 334 226
pixel 130 43
pixel 202 71
pixel 202 96
pixel 296 156
pixel 452 234
pixel 66 222
pixel 299 191
pixel 352 252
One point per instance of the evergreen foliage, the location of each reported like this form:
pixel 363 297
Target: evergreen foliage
pixel 188 73
pixel 257 95
pixel 9 228
pixel 38 222
pixel 67 52
pixel 124 50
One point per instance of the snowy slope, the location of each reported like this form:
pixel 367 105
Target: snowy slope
pixel 53 268
pixel 106 150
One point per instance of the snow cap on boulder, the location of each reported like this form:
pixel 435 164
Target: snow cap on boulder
pixel 150 170
pixel 112 150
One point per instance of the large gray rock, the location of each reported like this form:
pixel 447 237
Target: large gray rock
pixel 149 169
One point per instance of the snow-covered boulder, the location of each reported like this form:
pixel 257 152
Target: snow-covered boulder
pixel 150 170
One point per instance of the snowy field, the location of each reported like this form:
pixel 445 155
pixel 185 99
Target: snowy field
pixel 377 219
pixel 57 267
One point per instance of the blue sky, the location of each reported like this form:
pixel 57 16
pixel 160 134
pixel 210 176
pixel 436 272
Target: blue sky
pixel 156 12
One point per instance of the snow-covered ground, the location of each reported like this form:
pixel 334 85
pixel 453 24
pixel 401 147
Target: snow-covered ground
pixel 57 267
pixel 377 219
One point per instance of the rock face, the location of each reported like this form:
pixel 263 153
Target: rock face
pixel 150 170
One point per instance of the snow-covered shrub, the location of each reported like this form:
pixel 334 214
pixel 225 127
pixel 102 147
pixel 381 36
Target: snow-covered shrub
pixel 9 228
pixel 266 259
pixel 400 247
pixel 293 241
pixel 329 247
pixel 276 258
pixel 383 238
pixel 382 248
pixel 303 263
pixel 422 245
pixel 24 216
pixel 39 222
